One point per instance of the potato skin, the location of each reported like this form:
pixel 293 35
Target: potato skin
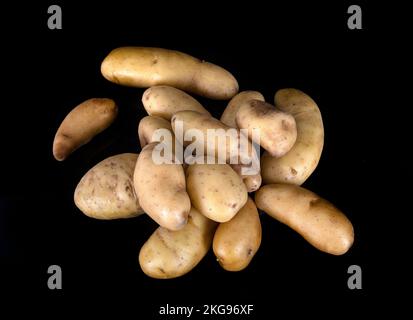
pixel 230 112
pixel 316 219
pixel 215 190
pixel 106 191
pixel 252 182
pixel 164 101
pixel 147 127
pixel 83 123
pixel 277 129
pixel 236 241
pixel 146 67
pixel 170 254
pixel 300 162
pixel 161 189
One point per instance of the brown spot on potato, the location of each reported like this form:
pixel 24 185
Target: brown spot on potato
pixel 293 171
pixel 285 125
pixel 180 187
pixel 154 61
pixel 332 220
pixel 260 108
pixel 314 202
pixel 115 78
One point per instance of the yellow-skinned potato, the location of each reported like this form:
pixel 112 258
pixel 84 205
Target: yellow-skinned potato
pixel 83 123
pixel 230 112
pixel 106 191
pixel 316 219
pixel 252 182
pixel 147 127
pixel 300 162
pixel 170 254
pixel 161 189
pixel 215 190
pixel 236 241
pixel 277 130
pixel 146 67
pixel 201 123
pixel 164 101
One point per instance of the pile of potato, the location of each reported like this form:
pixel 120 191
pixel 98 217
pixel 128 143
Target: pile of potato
pixel 202 205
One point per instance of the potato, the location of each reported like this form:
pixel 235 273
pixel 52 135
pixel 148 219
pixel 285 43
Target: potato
pixel 161 189
pixel 300 162
pixel 164 101
pixel 316 219
pixel 146 67
pixel 201 123
pixel 236 241
pixel 252 182
pixel 106 191
pixel 276 129
pixel 170 254
pixel 147 127
pixel 215 190
pixel 83 123
pixel 228 116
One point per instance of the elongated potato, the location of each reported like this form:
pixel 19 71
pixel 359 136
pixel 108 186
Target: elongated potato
pixel 161 189
pixel 214 137
pixel 230 112
pixel 317 220
pixel 300 162
pixel 146 67
pixel 83 123
pixel 276 129
pixel 216 190
pixel 252 182
pixel 148 126
pixel 164 101
pixel 170 254
pixel 106 191
pixel 236 241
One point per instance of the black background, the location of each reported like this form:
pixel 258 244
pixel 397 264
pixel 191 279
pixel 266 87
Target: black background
pixel 266 47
